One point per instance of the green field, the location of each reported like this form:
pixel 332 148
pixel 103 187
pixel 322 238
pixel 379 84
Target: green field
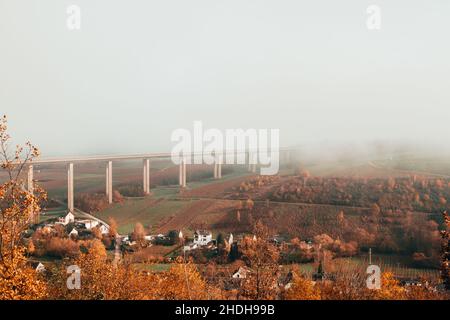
pixel 154 267
pixel 52 213
pixel 164 203
pixel 143 210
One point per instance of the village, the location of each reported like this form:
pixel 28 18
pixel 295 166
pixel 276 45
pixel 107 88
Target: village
pixel 194 249
pixel 80 228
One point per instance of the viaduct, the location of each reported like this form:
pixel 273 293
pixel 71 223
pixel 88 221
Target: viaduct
pixel 250 157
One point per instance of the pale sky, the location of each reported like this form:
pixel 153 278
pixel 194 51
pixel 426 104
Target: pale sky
pixel 137 70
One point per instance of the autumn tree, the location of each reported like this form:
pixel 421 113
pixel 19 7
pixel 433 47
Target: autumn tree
pixel 97 233
pixel 341 217
pixel 100 279
pixel 302 289
pixel 138 234
pixel 61 247
pixel 249 204
pixel 220 239
pixel 18 208
pixel 117 197
pixel 305 176
pixel 375 210
pixel 390 288
pixel 348 283
pixel 182 282
pixel 424 292
pixel 260 230
pixel 262 258
pixel 30 247
pixel 112 232
pixel 445 254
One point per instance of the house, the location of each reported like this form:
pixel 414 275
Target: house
pixel 230 239
pixel 104 229
pixel 68 218
pixel 191 246
pixel 73 233
pixel 38 267
pixel 241 273
pixel 277 240
pixel 180 235
pixel 409 282
pixel 202 237
pixel 89 224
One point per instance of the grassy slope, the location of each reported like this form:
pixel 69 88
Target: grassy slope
pixel 147 211
pixel 165 204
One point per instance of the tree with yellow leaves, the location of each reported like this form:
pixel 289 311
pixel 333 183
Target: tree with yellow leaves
pixel 390 288
pixel 113 227
pixel 302 289
pixel 100 279
pixel 17 211
pixel 249 204
pixel 262 258
pixel 138 233
pixel 182 282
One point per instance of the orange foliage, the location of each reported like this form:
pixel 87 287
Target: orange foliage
pixel 18 208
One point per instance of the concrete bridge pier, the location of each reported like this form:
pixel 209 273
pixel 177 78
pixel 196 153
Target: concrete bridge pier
pixel 217 170
pixel 70 195
pixel 109 181
pixel 182 173
pixel 30 180
pixel 30 189
pixel 146 176
pixel 252 162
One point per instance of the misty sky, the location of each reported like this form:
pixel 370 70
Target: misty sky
pixel 137 70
